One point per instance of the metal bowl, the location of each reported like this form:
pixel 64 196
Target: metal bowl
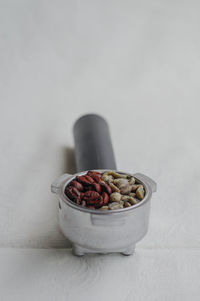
pixel 96 231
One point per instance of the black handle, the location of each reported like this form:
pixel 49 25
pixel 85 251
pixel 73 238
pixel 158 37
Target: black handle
pixel 93 146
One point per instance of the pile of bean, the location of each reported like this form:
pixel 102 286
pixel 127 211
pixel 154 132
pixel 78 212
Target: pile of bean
pixel 105 191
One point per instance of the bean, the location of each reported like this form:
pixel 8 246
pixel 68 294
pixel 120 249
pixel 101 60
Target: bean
pixel 129 199
pixel 135 186
pixel 104 208
pixel 140 192
pixel 116 174
pixel 115 205
pixel 126 189
pixel 121 182
pixel 115 197
pixel 132 180
pixel 133 194
pixel 127 204
pixel 114 188
pixel 107 178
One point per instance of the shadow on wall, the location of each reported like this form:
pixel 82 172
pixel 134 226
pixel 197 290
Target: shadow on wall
pixel 69 164
pixel 66 164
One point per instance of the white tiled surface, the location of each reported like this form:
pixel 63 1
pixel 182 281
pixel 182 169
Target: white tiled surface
pixel 136 63
pixel 58 275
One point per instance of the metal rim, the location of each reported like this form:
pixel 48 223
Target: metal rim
pixel 65 199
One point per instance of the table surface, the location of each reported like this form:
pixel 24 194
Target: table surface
pixel 136 63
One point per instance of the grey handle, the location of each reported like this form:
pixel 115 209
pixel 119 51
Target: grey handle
pixel 93 146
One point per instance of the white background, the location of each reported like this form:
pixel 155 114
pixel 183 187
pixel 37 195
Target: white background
pixel 137 63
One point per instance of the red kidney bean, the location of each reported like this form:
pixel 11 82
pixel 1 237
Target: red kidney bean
pixel 97 187
pixel 106 187
pixel 105 198
pixel 72 193
pixel 90 188
pixel 92 197
pixel 95 175
pixel 77 185
pixel 85 180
